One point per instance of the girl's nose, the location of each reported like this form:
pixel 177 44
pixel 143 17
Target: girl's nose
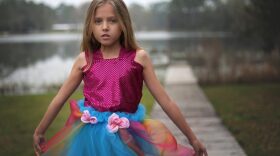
pixel 105 26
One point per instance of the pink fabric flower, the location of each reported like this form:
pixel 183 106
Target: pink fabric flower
pixel 86 118
pixel 115 122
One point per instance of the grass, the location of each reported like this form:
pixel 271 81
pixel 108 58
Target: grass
pixel 251 113
pixel 21 114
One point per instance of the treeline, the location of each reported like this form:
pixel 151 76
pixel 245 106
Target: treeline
pixel 19 16
pixel 22 16
pixel 251 21
pixel 256 21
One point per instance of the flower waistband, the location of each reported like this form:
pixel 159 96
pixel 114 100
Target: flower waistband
pixel 139 115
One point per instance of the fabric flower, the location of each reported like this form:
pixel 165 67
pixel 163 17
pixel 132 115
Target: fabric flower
pixel 86 118
pixel 115 122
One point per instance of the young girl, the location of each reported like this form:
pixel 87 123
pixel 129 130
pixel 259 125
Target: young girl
pixel 110 120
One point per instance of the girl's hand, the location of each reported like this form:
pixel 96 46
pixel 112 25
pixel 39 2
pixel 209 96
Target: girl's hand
pixel 199 148
pixel 38 139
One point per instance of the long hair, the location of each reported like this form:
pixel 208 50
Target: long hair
pixel 127 38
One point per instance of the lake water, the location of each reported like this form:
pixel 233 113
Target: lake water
pixel 37 62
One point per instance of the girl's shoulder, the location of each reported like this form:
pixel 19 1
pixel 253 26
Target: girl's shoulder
pixel 81 60
pixel 141 57
pixel 141 53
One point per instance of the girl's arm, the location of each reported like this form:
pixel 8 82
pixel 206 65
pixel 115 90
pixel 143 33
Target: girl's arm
pixel 63 94
pixel 169 106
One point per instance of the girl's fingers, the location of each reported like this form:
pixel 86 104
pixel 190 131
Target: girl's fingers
pixel 197 152
pixel 201 152
pixel 205 152
pixel 199 149
pixel 37 154
pixel 39 139
pixel 37 149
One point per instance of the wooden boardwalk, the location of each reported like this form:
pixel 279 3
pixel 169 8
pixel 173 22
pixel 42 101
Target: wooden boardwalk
pixel 181 85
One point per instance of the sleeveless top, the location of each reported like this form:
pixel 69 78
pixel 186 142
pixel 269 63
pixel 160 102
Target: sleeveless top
pixel 113 84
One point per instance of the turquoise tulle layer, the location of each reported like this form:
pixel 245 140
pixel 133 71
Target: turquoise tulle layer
pixel 88 132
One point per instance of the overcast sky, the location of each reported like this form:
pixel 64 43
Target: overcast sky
pixel 55 3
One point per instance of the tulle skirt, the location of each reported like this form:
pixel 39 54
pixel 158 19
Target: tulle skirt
pixel 89 132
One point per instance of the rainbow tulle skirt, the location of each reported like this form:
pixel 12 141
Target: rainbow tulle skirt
pixel 89 132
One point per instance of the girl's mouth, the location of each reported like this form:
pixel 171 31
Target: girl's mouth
pixel 105 36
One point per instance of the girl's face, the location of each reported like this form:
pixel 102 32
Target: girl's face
pixel 106 27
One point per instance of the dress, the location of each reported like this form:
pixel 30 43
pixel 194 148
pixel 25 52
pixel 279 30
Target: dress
pixel 110 121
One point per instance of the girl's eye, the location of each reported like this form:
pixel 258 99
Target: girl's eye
pixel 113 20
pixel 97 21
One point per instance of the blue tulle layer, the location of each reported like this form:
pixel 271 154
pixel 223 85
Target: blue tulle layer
pixel 145 136
pixel 97 136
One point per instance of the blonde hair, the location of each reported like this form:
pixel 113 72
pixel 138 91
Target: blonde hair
pixel 127 39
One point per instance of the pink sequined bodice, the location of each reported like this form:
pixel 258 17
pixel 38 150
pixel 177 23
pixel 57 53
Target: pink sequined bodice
pixel 113 84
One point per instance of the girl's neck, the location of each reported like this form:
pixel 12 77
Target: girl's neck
pixel 110 51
